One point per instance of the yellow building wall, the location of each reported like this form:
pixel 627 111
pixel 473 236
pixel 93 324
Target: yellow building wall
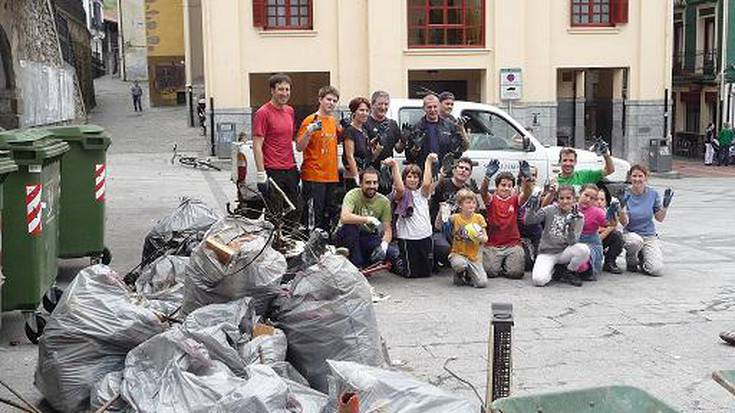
pixel 362 44
pixel 165 40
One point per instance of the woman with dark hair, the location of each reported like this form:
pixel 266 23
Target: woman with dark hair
pixel 612 238
pixel 641 204
pixel 358 151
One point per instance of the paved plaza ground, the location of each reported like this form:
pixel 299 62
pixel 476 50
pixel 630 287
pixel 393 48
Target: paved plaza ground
pixel 659 334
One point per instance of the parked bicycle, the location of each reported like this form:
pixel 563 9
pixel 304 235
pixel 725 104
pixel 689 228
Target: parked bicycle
pixel 192 161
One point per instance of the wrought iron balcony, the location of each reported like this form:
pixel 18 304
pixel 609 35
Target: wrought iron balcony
pixel 699 63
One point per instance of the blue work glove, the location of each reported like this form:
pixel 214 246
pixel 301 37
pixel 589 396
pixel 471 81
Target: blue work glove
pixel 532 203
pixel 492 168
pixel 668 196
pixel 524 169
pixel 612 211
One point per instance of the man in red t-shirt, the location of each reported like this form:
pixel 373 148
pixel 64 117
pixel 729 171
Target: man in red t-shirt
pixel 273 133
pixel 503 253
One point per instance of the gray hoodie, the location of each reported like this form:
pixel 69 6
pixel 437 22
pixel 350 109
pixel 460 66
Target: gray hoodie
pixel 559 232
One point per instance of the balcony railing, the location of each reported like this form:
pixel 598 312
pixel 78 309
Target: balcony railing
pixel 701 62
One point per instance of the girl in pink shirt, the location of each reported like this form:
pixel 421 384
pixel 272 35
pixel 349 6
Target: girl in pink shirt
pixel 594 218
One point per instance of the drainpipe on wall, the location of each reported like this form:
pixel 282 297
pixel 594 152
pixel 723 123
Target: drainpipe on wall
pixel 723 60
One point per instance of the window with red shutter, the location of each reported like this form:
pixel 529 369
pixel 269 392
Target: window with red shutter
pixel 620 11
pixel 592 12
pixel 288 14
pixel 446 23
pixel 259 13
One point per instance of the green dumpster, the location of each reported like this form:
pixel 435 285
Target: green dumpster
pixel 30 216
pixel 612 399
pixel 83 173
pixel 7 166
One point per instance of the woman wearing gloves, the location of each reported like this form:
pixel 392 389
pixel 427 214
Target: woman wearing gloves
pixel 560 238
pixel 641 204
pixel 358 150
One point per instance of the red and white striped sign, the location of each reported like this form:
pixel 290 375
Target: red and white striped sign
pixel 99 182
pixel 34 214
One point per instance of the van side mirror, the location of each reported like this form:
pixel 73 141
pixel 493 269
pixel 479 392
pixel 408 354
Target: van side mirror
pixel 528 146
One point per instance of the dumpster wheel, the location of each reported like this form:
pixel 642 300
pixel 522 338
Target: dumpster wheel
pixel 105 257
pixel 34 326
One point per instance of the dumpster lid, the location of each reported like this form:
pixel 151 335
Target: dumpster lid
pixel 40 141
pixel 75 131
pixel 85 134
pixel 7 165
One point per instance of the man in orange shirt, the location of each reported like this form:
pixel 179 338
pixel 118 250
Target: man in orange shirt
pixel 317 139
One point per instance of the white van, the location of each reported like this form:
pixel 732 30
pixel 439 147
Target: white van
pixel 493 134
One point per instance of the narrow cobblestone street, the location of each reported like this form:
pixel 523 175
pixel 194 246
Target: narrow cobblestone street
pixel 659 334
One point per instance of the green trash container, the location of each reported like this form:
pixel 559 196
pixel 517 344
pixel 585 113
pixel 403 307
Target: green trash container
pixel 30 228
pixel 83 173
pixel 611 399
pixel 7 166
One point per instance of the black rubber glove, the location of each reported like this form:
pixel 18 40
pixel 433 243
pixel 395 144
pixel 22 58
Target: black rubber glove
pixel 612 211
pixel 532 204
pixel 492 168
pixel 524 169
pixel 601 148
pixel 668 196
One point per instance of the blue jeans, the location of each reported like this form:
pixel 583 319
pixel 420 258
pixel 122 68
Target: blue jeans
pixel 360 243
pixel 596 253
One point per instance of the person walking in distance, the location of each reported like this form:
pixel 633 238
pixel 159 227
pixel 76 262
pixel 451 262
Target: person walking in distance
pixel 711 145
pixel 317 139
pixel 137 93
pixel 273 130
pixel 725 139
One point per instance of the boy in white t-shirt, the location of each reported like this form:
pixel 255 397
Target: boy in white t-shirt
pixel 411 192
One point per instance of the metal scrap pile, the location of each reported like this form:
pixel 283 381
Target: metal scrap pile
pixel 214 327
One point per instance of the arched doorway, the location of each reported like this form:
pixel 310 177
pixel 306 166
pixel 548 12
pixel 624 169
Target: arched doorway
pixel 8 101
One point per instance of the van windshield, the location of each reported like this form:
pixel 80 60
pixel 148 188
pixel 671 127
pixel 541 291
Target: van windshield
pixel 490 132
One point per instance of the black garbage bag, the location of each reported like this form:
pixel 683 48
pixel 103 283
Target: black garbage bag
pixel 162 283
pixel 382 390
pixel 328 314
pixel 235 260
pixel 179 232
pixel 96 323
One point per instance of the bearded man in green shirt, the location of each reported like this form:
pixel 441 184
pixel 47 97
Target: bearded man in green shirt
pixel 568 161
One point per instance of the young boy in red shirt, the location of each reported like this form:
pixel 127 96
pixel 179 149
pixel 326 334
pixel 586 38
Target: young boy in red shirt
pixel 503 253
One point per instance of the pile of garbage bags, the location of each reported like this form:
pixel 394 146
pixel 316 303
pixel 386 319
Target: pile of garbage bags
pixel 220 331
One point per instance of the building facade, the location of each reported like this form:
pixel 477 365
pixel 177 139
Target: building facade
pixel 586 67
pixel 132 40
pixel 39 82
pixel 703 71
pixel 165 40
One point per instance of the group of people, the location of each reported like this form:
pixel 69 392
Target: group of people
pixel 569 230
pixel 718 147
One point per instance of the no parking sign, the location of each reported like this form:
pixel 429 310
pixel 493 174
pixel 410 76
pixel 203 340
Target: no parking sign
pixel 511 84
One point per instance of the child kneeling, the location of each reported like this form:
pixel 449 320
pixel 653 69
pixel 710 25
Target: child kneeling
pixel 560 238
pixel 468 233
